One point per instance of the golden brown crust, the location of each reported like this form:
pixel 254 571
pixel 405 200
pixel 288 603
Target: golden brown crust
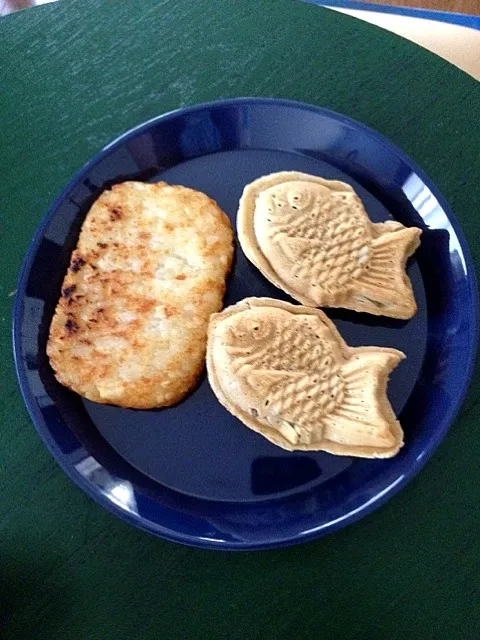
pixel 312 238
pixel 149 269
pixel 359 376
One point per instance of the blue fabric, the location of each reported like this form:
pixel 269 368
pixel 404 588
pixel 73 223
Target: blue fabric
pixel 442 16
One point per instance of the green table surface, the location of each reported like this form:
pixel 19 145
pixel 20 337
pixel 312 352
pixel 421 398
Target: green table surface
pixel 75 74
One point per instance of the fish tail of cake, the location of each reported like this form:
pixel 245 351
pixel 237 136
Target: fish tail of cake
pixel 383 286
pixel 364 417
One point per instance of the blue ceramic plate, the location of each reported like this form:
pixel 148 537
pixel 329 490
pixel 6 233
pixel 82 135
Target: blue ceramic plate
pixel 193 473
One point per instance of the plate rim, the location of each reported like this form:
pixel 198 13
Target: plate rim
pixel 139 521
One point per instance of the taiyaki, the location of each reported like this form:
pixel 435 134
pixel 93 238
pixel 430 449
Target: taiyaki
pixel 312 238
pixel 131 324
pixel 285 372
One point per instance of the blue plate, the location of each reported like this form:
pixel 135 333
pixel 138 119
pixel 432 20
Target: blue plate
pixel 193 473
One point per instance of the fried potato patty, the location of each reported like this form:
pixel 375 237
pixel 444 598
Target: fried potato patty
pixel 149 269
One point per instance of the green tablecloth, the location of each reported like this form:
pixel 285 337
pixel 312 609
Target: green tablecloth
pixel 72 76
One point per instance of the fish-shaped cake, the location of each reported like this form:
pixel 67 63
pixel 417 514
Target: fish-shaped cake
pixel 286 372
pixel 312 238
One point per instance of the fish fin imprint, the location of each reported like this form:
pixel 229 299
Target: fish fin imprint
pixel 295 248
pixel 383 287
pixel 264 381
pixel 365 419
